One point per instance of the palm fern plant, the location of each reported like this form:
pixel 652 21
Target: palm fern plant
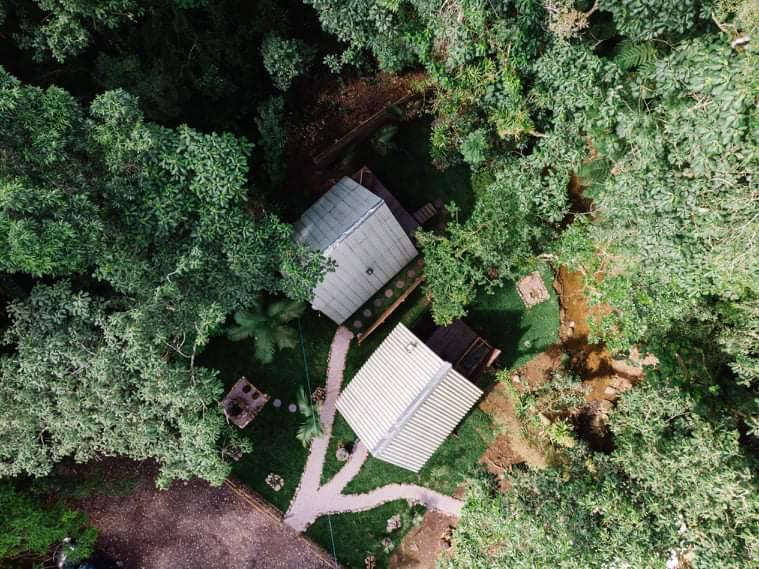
pixel 267 323
pixel 311 427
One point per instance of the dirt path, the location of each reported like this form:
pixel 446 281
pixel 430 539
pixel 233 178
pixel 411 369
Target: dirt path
pixel 312 501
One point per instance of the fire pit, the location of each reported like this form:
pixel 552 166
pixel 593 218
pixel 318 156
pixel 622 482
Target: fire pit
pixel 243 403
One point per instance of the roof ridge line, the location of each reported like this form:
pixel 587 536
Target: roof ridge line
pixel 421 397
pixel 356 224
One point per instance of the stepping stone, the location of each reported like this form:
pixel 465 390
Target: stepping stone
pixel 367 313
pixel 411 273
pixel 378 302
pixel 292 407
pixel 277 403
pixel 388 293
pixel 399 284
pixel 357 324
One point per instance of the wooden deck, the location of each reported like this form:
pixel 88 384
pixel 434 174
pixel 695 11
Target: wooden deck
pixel 460 345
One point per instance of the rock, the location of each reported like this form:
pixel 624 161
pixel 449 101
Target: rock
pixel 342 454
pixel 393 523
pixel 275 481
pixel 610 391
pixel 605 406
pixel 621 383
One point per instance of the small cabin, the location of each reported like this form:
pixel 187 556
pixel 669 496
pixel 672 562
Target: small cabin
pixel 405 400
pixel 355 228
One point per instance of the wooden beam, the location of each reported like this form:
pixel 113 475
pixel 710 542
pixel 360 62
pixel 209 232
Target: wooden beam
pixel 390 309
pixel 361 132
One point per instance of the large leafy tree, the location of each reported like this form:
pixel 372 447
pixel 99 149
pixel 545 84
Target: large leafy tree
pixel 495 243
pixel 83 382
pixel 677 211
pixel 64 28
pixel 159 217
pixel 157 213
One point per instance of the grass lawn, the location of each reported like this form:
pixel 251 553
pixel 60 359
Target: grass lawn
pixel 407 171
pixel 272 432
pixel 502 319
pixel 446 470
pixel 359 534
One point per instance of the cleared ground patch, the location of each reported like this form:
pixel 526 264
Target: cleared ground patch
pixel 193 526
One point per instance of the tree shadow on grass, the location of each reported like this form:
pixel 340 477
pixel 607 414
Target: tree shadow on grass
pixel 518 340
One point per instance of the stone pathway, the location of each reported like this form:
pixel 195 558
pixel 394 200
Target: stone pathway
pixel 313 500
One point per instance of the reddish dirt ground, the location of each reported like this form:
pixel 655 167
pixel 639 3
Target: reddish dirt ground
pixel 605 377
pixel 193 526
pixel 342 107
pixel 423 545
pixel 332 112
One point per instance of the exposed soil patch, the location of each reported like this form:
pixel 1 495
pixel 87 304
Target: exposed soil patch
pixel 193 525
pixel 423 545
pixel 539 369
pixel 342 107
pixel 603 376
pixel 510 443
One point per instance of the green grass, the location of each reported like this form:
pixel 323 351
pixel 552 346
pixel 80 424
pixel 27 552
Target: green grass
pixel 408 173
pixel 272 432
pixel 446 470
pixel 359 534
pixel 503 320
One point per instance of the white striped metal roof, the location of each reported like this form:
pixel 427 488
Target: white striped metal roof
pixel 335 214
pixel 405 400
pixel 356 229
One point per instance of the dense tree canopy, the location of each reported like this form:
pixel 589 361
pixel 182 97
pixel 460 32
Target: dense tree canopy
pixel 83 382
pixel 159 216
pixel 617 138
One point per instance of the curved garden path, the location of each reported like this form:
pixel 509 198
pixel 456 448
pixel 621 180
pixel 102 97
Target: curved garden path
pixel 313 500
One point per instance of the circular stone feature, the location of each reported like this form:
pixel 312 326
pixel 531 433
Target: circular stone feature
pixel 342 454
pixel 399 284
pixel 378 302
pixel 357 324
pixel 411 273
pixel 367 313
pixel 292 407
pixel 277 403
pixel 388 293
